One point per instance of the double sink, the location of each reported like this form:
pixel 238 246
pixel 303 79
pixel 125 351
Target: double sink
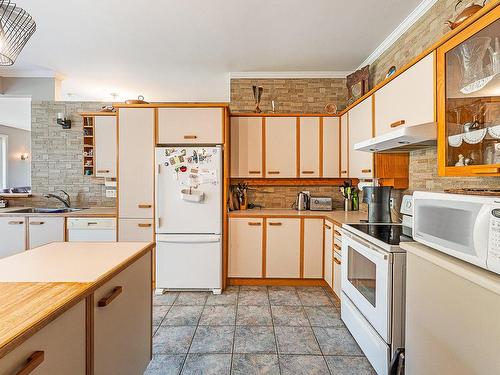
pixel 45 210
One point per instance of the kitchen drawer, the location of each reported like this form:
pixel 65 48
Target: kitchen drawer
pixel 327 250
pixel 59 347
pixel 337 273
pixel 135 230
pixel 44 230
pixel 122 321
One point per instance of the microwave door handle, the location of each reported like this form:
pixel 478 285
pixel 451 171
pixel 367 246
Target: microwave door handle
pixel 480 234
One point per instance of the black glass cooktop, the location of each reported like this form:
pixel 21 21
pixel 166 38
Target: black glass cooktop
pixel 391 234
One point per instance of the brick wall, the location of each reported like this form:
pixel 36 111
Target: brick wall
pixel 56 161
pixel 291 95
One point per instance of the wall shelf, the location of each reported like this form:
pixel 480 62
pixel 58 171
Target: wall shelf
pixel 88 136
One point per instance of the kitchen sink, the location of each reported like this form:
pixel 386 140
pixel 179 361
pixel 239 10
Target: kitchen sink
pixel 45 210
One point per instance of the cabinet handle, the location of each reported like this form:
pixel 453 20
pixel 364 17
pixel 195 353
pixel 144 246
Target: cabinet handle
pixel 190 137
pixel 253 224
pixel 395 124
pixel 327 226
pixel 273 172
pixel 337 261
pixel 33 361
pixel 105 301
pixel 337 233
pixel 337 247
pixel 16 222
pixel 103 171
pixel 90 223
pixel 37 222
pixel 144 205
pixel 253 172
pixel 486 170
pixel 343 172
pixel 307 172
pixel 144 225
pixel 366 170
pixel 275 224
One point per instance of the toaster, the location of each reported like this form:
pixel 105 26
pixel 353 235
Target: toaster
pixel 321 204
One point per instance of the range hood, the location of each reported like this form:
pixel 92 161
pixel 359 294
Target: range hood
pixel 404 138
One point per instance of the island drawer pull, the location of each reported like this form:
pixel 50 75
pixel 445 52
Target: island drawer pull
pixel 14 222
pixel 33 361
pixel 253 172
pixel 327 226
pixel 103 171
pixel 254 224
pixel 275 224
pixel 144 225
pixel 273 172
pixel 366 170
pixel 105 301
pixel 337 233
pixel 307 172
pixel 144 206
pixel 190 137
pixel 395 124
pixel 37 222
pixel 336 247
pixel 337 261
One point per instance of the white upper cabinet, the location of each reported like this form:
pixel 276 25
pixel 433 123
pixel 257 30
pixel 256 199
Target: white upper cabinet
pixel 331 147
pixel 246 147
pixel 281 147
pixel 136 159
pixel 309 147
pixel 190 125
pixel 105 146
pixel 344 145
pixel 360 129
pixel 408 99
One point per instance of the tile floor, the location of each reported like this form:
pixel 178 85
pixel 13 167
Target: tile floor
pixel 253 330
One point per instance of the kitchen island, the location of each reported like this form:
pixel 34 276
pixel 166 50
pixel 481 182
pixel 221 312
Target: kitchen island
pixel 79 308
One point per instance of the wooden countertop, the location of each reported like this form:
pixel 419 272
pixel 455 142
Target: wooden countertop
pixel 38 285
pixel 87 212
pixel 338 217
pixel 480 276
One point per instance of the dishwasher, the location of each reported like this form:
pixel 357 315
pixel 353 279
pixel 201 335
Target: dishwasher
pixel 91 229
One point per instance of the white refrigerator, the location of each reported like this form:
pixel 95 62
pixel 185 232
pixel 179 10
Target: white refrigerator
pixel 189 218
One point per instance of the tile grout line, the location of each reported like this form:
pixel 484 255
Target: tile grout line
pixel 274 330
pixel 234 332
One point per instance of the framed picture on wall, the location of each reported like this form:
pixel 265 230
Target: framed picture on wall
pixel 357 83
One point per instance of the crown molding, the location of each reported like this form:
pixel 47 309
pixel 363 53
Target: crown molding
pixel 408 22
pixel 30 73
pixel 289 75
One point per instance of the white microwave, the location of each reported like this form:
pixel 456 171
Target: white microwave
pixel 464 226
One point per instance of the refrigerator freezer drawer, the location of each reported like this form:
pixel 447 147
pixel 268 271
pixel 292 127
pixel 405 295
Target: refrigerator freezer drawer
pixel 188 262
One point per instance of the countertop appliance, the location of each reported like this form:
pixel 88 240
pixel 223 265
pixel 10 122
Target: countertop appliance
pixel 321 204
pixel 373 289
pixel 379 203
pixel 302 201
pixel 189 218
pixel 464 226
pixel 90 229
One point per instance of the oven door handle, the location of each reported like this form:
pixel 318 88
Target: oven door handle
pixel 356 239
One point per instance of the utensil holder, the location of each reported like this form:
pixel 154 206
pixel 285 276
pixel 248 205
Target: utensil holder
pixel 347 204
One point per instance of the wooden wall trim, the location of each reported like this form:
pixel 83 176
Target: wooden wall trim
pixel 320 147
pixel 276 282
pixel 297 146
pixel 264 247
pixel 301 260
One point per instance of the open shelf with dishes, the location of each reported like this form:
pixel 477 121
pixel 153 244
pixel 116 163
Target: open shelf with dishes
pixel 88 146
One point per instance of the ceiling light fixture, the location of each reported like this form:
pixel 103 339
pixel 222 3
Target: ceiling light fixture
pixel 16 27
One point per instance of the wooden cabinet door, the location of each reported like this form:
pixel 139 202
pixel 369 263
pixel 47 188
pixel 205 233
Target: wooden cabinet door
pixel 281 147
pixel 122 327
pixel 328 250
pixel 13 234
pixel 245 247
pixel 62 343
pixel 360 129
pixel 44 230
pixel 408 99
pixel 344 145
pixel 313 248
pixel 331 147
pixel 337 273
pixel 105 146
pixel 309 147
pixel 246 147
pixel 135 230
pixel 190 125
pixel 283 248
pixel 135 163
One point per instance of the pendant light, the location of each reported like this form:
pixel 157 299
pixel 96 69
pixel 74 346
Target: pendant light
pixel 16 27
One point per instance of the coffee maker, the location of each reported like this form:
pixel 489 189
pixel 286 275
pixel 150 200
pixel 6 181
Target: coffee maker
pixel 378 199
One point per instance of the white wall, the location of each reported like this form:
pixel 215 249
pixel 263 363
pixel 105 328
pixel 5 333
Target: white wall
pixel 38 88
pixel 15 112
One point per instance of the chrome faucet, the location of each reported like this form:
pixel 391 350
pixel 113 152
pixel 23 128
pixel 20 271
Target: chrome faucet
pixel 65 200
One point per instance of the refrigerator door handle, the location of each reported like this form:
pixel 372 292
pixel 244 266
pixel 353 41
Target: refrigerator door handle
pixel 157 198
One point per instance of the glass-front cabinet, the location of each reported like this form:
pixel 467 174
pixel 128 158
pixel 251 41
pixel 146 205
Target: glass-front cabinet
pixel 468 100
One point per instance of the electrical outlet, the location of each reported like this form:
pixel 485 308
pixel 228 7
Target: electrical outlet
pixel 391 203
